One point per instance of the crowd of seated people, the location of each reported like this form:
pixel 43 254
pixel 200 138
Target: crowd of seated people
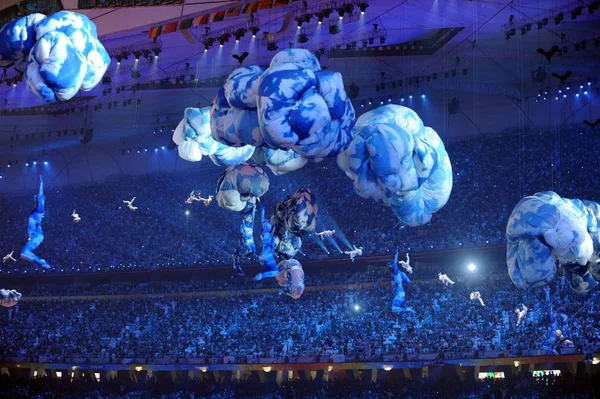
pixel 521 386
pixel 491 175
pixel 352 320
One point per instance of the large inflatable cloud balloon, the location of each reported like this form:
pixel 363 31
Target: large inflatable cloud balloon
pixel 241 186
pixel 395 159
pixel 16 40
pixel 9 298
pixel 59 55
pixel 303 108
pixel 291 278
pixel 194 139
pixel 294 217
pixel 545 229
pixel 279 161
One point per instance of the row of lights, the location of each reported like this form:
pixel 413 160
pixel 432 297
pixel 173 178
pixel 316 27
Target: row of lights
pixel 325 13
pixel 140 150
pixel 370 101
pixel 563 93
pixel 148 54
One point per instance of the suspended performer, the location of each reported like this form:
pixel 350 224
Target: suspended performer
pixel 237 264
pixel 357 251
pixel 75 217
pixel 130 204
pixel 326 233
pixel 521 313
pixel 476 296
pixel 247 231
pixel 444 279
pixel 267 254
pixel 9 257
pixel 397 280
pixel 34 229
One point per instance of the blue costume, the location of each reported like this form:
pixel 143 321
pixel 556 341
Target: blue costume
pixel 267 254
pixel 399 278
pixel 247 231
pixel 34 230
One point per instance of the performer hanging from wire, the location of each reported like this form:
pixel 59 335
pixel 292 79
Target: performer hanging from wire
pixel 34 229
pixel 192 198
pixel 326 233
pixel 76 217
pixel 267 254
pixel 444 279
pixel 247 231
pixel 9 298
pixel 357 251
pixel 237 264
pixel 556 338
pixel 9 257
pixel 397 280
pixel 130 204
pixel 475 295
pixel 521 313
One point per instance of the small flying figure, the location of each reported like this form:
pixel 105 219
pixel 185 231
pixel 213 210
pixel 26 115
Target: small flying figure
pixel 475 295
pixel 406 264
pixel 444 279
pixel 357 251
pixel 76 217
pixel 130 204
pixel 192 197
pixel 521 313
pixel 326 233
pixel 9 257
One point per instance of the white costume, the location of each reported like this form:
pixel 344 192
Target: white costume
pixel 326 233
pixel 521 313
pixel 444 279
pixel 357 251
pixel 9 257
pixel 406 264
pixel 476 295
pixel 192 198
pixel 76 217
pixel 130 204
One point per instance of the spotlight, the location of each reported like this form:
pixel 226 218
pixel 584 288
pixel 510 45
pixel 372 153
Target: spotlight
pixel 370 101
pixel 545 21
pixel 558 19
pixel 585 92
pixel 341 11
pixel 356 307
pixel 390 98
pixel 162 148
pixel 119 59
pixel 472 266
pixel 422 95
pixel 410 96
pixel 363 7
pixel 382 40
pixel 239 34
pixel 137 55
pixel 254 30
pixel 299 20
pixel 26 163
pixel 157 52
pixel 35 162
pixel 320 18
pixel 46 163
pixel 540 25
pixel 577 95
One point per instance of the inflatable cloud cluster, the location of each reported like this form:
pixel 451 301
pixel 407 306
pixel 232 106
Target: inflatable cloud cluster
pixel 291 112
pixel 9 298
pixel 241 186
pixel 59 55
pixel 545 229
pixel 395 159
pixel 291 277
pixel 294 217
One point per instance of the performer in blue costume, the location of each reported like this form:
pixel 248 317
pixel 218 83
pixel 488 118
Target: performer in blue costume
pixel 399 278
pixel 556 339
pixel 237 264
pixel 247 231
pixel 34 229
pixel 267 254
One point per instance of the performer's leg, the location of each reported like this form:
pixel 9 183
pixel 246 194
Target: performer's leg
pixel 32 245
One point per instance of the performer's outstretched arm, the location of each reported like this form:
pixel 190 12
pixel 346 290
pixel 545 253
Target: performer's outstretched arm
pixel 41 200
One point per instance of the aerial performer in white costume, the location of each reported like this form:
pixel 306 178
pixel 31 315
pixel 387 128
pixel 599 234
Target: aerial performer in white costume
pixel 76 217
pixel 34 229
pixel 521 313
pixel 130 204
pixel 357 251
pixel 9 257
pixel 444 279
pixel 9 298
pixel 326 233
pixel 397 280
pixel 475 295
pixel 192 198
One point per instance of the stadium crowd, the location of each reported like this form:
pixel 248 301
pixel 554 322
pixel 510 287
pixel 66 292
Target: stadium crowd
pixel 521 386
pixel 352 320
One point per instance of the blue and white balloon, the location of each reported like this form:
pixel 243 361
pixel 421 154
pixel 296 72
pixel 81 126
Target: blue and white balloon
pixel 545 230
pixel 16 41
pixel 396 160
pixel 241 186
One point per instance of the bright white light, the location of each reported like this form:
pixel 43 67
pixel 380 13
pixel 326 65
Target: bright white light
pixel 187 212
pixel 356 307
pixel 387 367
pixel 45 162
pixel 422 95
pixel 472 266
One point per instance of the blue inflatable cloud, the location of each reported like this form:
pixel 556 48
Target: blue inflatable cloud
pixel 63 52
pixel 16 41
pixel 241 186
pixel 395 159
pixel 279 161
pixel 194 139
pixel 303 108
pixel 234 121
pixel 544 229
pixel 294 217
